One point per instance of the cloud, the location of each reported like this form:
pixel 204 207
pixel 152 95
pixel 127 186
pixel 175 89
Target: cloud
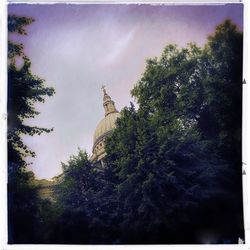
pixel 120 47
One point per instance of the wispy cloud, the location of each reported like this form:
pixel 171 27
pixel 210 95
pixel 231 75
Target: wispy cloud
pixel 120 47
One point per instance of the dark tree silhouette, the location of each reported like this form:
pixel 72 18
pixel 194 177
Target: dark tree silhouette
pixel 24 90
pixel 178 158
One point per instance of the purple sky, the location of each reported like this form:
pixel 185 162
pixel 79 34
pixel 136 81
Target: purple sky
pixel 77 48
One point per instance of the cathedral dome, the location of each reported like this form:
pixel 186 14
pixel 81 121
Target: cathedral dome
pixel 105 126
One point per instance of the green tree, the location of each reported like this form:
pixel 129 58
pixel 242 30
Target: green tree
pixel 221 114
pixel 176 158
pixel 24 90
pixel 76 201
pixel 86 203
pixel 220 120
pixel 153 149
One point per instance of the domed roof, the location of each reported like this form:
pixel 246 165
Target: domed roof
pixel 105 126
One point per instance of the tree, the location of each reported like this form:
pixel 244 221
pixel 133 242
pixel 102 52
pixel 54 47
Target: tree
pixel 221 116
pixel 171 157
pixel 74 195
pixel 24 90
pixel 85 205
pixel 153 149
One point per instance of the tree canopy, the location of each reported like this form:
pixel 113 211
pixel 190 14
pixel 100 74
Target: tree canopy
pixel 24 90
pixel 178 157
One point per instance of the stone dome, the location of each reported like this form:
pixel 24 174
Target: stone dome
pixel 105 126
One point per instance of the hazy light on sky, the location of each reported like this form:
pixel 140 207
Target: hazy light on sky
pixel 77 48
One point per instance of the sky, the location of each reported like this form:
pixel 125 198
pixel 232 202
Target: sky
pixel 76 48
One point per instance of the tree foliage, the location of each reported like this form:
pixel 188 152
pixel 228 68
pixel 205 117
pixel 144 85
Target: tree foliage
pixel 85 203
pixel 24 90
pixel 178 158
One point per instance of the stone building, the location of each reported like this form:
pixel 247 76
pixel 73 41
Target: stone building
pixel 104 128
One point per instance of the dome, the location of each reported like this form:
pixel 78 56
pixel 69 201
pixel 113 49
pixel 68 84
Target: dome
pixel 106 125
